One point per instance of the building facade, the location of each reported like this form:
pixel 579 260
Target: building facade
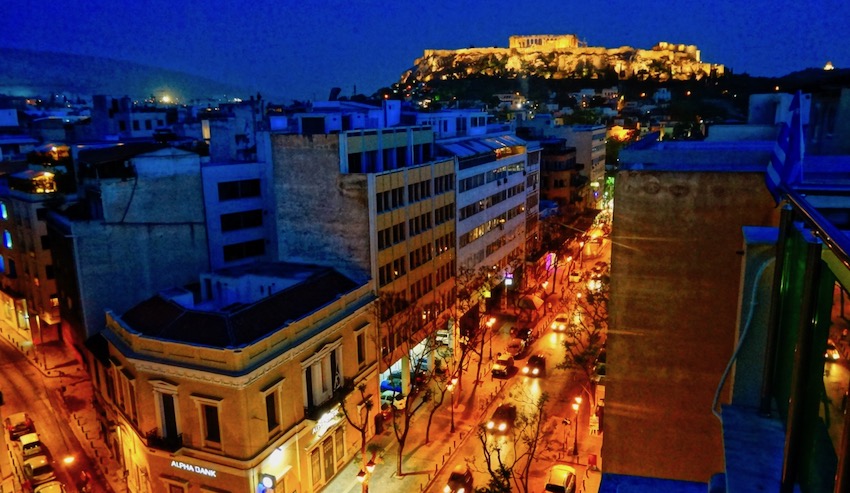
pixel 238 383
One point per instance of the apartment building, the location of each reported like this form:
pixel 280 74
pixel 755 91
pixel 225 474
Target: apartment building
pixel 139 223
pixel 375 201
pixel 27 276
pixel 238 382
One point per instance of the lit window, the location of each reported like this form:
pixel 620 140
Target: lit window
pixel 3 212
pixel 7 239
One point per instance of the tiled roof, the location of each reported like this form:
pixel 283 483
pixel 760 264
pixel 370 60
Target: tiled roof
pixel 161 318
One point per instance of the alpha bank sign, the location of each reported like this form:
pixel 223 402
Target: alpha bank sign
pixel 196 469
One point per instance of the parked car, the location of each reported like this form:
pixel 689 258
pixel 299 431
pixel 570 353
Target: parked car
pixel 503 365
pixel 562 479
pixel 535 366
pixel 31 445
pixel 19 424
pixel 575 276
pixel 561 322
pixel 38 469
pixel 394 399
pixel 503 418
pixel 516 348
pixel 460 480
pixel 50 487
pixel 831 353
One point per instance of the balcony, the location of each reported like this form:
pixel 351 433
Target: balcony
pixel 316 411
pixel 169 443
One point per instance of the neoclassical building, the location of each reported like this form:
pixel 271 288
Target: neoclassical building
pixel 235 384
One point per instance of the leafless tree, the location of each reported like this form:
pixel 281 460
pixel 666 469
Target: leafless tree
pixel 510 472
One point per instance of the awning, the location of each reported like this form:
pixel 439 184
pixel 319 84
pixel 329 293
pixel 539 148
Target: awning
pixel 530 302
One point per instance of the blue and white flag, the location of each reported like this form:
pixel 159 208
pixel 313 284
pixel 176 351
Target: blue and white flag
pixel 786 163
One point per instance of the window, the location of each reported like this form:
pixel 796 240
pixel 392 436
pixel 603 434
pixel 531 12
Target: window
pixel 361 345
pixel 208 410
pixel 238 251
pixel 148 125
pixel 45 242
pixel 232 190
pixel 271 393
pixel 322 374
pixel 7 239
pixel 136 125
pixel 4 213
pixel 49 272
pixel 242 220
pixel 167 413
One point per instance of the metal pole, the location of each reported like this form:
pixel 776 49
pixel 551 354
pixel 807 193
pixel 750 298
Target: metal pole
pixel 774 315
pixel 575 438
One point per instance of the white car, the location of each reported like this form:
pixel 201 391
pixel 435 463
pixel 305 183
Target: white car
pixel 38 469
pixel 394 399
pixel 51 487
pixel 561 322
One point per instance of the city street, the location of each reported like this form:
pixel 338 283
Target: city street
pixel 27 387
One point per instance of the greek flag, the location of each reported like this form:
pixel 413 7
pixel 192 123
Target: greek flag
pixel 786 163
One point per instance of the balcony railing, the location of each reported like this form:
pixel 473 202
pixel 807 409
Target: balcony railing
pixel 167 443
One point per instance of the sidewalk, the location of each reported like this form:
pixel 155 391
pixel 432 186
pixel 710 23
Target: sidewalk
pixel 70 391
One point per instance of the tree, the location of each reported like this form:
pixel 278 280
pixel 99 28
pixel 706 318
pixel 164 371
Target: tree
pixel 510 472
pixel 360 422
pixel 587 333
pixel 401 323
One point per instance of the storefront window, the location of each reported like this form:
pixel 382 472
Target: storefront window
pixel 340 444
pixel 316 465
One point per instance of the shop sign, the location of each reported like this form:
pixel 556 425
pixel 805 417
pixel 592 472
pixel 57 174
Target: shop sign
pixel 325 422
pixel 196 469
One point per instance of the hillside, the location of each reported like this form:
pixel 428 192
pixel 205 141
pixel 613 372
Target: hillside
pixel 37 73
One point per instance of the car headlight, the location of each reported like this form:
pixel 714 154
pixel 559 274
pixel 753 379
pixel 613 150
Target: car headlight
pixel 503 426
pixel 461 490
pixel 447 489
pixel 835 355
pixel 536 371
pixel 525 370
pixel 490 425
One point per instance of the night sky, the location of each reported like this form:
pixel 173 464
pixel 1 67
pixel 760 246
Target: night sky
pixel 299 49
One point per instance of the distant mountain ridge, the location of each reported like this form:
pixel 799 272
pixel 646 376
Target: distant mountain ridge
pixel 39 73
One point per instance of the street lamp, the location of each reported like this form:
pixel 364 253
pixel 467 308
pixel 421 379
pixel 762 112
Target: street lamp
pixel 364 475
pixel 576 406
pixel 489 325
pixel 451 388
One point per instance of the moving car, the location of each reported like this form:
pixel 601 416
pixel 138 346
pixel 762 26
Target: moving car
pixel 831 353
pixel 503 365
pixel 503 418
pixel 562 479
pixel 19 424
pixel 516 348
pixel 38 469
pixel 535 366
pixel 529 335
pixel 460 480
pixel 561 322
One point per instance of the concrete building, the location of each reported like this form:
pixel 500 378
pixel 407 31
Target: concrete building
pixel 140 224
pixel 379 203
pixel 560 179
pixel 732 383
pixel 238 382
pixel 27 276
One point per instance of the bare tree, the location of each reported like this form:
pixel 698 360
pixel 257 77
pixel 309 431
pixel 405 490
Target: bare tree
pixel 587 332
pixel 510 472
pixel 360 421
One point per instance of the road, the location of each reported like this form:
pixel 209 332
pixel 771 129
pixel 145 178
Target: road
pixel 26 389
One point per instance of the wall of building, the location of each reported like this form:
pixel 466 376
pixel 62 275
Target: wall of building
pixel 322 215
pixel 675 279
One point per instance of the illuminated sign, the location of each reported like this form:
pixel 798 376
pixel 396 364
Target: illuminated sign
pixel 327 420
pixel 196 469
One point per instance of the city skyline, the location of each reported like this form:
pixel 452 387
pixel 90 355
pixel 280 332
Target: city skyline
pixel 301 51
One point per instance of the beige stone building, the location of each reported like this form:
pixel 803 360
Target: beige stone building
pixel 237 383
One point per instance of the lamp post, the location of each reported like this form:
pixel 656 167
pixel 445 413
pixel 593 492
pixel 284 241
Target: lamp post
pixel 581 254
pixel 451 388
pixel 576 406
pixel 489 325
pixel 364 474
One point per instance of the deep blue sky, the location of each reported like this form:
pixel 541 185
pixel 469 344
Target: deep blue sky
pixel 299 49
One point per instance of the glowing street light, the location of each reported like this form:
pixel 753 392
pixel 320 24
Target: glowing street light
pixel 576 406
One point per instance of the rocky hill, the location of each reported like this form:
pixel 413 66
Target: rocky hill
pixel 553 60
